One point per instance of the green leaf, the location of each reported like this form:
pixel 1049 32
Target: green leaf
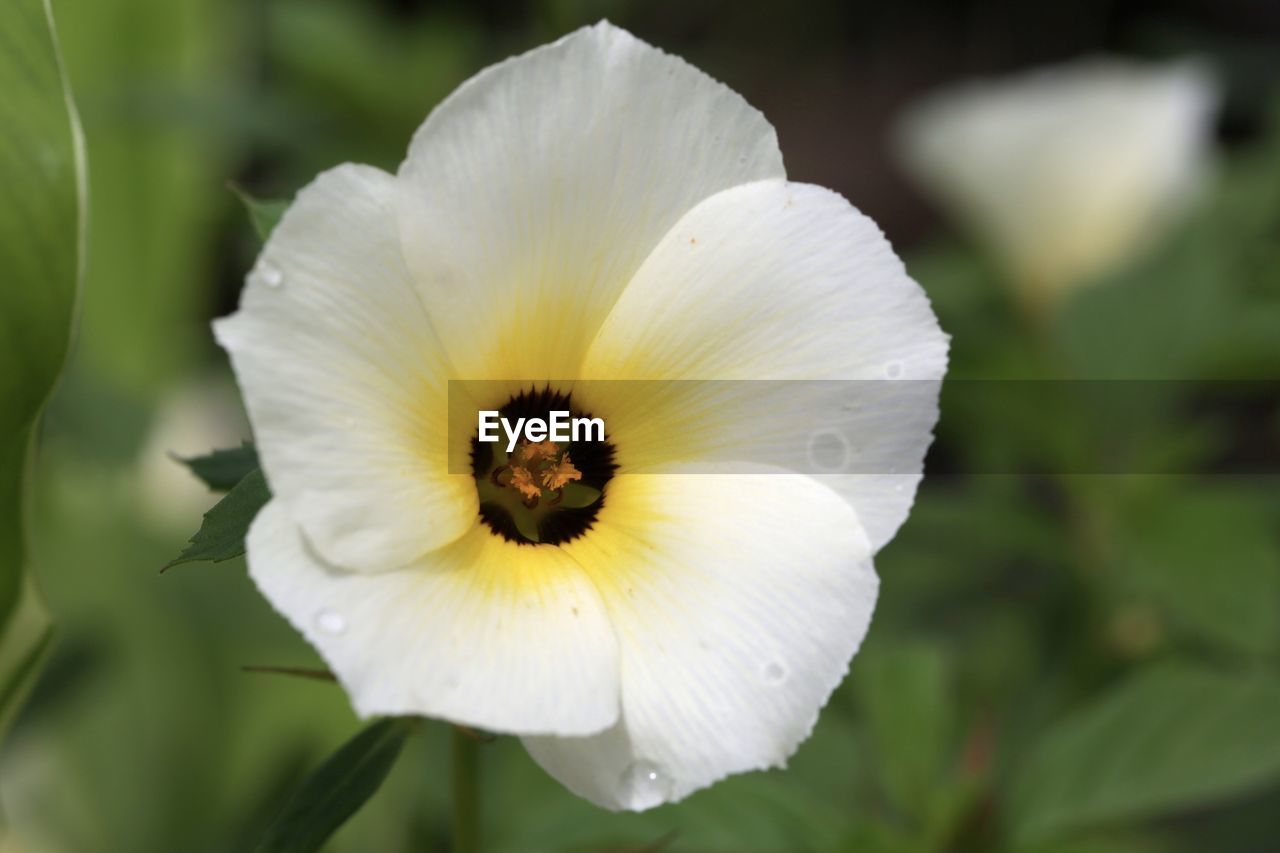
pixel 1208 559
pixel 26 644
pixel 904 697
pixel 221 534
pixel 1154 319
pixel 222 469
pixel 1170 737
pixel 264 214
pixel 145 73
pixel 1102 844
pixel 41 239
pixel 336 789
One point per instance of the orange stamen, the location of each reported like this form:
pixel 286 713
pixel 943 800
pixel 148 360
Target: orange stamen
pixel 558 475
pixel 522 480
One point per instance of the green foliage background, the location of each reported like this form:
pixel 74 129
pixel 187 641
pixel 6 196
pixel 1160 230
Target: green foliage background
pixel 1077 662
pixel 41 228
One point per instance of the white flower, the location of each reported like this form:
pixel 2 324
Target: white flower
pixel 1066 172
pixel 594 209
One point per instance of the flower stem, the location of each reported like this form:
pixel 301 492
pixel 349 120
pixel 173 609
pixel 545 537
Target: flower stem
pixel 466 792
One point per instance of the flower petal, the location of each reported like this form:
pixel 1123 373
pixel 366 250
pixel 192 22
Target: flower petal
pixel 482 632
pixel 775 281
pixel 738 602
pixel 532 194
pixel 344 379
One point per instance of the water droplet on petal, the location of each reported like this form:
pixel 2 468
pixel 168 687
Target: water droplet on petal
pixel 271 276
pixel 893 370
pixel 774 672
pixel 829 451
pixel 331 622
pixel 644 785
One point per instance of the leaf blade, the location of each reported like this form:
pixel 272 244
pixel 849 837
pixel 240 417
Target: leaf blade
pixel 265 214
pixel 1171 736
pixel 1207 559
pixel 42 231
pixel 903 692
pixel 336 790
pixel 222 469
pixel 222 532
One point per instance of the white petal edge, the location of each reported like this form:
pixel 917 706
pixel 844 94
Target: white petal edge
pixel 345 381
pixel 483 632
pixel 531 194
pixel 739 601
pixel 785 282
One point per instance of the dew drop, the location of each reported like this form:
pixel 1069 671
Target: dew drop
pixel 331 622
pixel 271 276
pixel 829 451
pixel 774 672
pixel 893 370
pixel 644 785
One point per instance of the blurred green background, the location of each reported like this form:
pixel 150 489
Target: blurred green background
pixel 1058 663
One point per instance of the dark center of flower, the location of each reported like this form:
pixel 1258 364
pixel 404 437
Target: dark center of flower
pixel 543 492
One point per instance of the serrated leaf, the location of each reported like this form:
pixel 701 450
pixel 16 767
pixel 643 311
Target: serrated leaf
pixel 222 533
pixel 336 789
pixel 222 469
pixel 1170 737
pixel 263 213
pixel 41 240
pixel 1208 559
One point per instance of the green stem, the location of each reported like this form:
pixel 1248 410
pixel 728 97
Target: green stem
pixel 466 792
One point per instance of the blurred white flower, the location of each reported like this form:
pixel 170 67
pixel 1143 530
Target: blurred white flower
pixel 593 210
pixel 1066 172
pixel 189 421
